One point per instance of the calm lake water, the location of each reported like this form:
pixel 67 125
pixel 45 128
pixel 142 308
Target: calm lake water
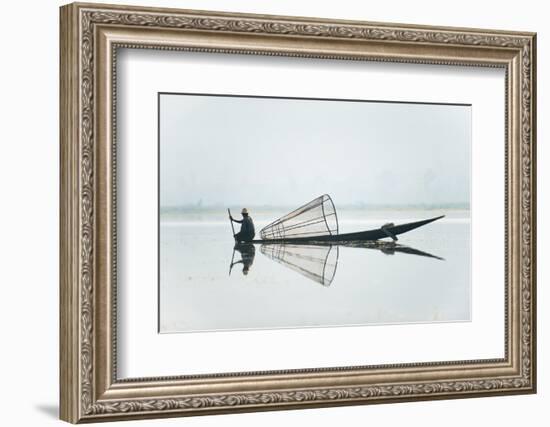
pixel 289 287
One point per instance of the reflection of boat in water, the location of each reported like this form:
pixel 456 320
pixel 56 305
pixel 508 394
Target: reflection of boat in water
pixel 317 221
pixel 388 248
pixel 319 261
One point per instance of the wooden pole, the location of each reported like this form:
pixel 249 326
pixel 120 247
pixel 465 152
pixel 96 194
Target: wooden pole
pixel 231 221
pixel 232 258
pixel 233 229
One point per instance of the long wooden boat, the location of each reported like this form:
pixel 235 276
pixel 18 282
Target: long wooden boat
pixel 374 234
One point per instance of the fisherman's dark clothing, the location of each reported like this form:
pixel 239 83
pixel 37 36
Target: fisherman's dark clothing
pixel 247 232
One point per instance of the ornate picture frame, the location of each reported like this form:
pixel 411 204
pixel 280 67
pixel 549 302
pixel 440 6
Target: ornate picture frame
pixel 90 37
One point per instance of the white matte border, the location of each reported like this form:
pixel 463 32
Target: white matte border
pixel 142 352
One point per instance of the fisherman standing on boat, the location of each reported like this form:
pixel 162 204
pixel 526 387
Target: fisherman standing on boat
pixel 247 232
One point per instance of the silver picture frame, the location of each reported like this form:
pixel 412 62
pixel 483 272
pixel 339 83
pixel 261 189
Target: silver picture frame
pixel 90 37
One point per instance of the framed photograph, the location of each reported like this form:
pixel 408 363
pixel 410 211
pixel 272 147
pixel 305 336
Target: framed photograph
pixel 266 212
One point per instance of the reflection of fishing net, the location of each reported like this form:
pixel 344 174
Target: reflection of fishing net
pixel 314 219
pixel 317 263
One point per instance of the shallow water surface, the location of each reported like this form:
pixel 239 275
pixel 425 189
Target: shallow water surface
pixel 427 279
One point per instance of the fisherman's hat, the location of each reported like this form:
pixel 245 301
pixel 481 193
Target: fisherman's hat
pixel 244 211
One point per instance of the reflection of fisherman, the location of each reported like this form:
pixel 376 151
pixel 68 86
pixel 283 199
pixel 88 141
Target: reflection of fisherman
pixel 247 227
pixel 247 251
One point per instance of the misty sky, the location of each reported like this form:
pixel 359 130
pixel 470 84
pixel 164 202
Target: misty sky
pixel 255 151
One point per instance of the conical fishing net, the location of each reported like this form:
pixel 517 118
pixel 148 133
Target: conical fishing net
pixel 314 219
